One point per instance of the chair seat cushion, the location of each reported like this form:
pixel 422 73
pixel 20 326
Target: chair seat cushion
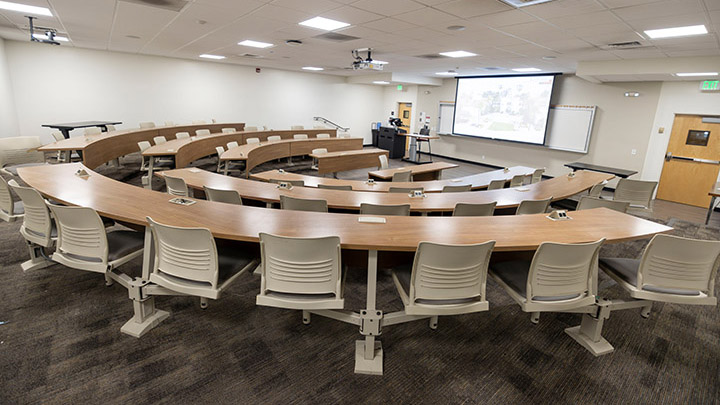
pixel 123 243
pixel 14 168
pixel 231 259
pixel 627 269
pixel 404 275
pixel 515 275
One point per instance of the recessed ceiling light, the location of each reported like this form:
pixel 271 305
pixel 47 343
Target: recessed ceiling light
pixel 456 27
pixel 458 54
pixel 312 68
pixel 632 94
pixel 448 73
pixel 208 56
pixel 5 5
pixel 527 70
pixel 255 44
pixel 691 74
pixel 381 82
pixel 324 24
pixel 57 38
pixel 524 3
pixel 677 32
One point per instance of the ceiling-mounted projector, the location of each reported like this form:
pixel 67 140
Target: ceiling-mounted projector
pixel 49 37
pixel 364 64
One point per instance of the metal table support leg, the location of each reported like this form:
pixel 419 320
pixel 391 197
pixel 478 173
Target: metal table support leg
pixel 368 352
pixel 147 180
pixel 710 209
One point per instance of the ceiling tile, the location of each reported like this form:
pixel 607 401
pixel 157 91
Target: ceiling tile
pixel 388 8
pixel 473 8
pixel 564 8
pixel 504 18
pixel 352 15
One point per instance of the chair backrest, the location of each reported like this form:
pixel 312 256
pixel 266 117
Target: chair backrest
pixel 680 263
pixel 319 151
pixel 202 132
pixel 273 138
pixel 563 271
pixel 57 135
pixel 199 122
pixel 322 136
pixel 335 187
pixel 318 126
pixel 187 254
pixel 302 204
pixel 587 203
pixel 533 206
pixel 474 210
pixel 228 130
pixel 378 209
pixel 298 183
pixel 406 190
pixel 496 184
pixel 37 224
pixel 596 190
pixel 7 201
pixel 19 150
pixel 457 189
pixel 537 175
pixel 344 135
pixel 300 265
pixel 81 233
pixel 383 162
pixel 223 196
pixel 232 144
pixel 169 123
pixel 404 176
pixel 147 125
pixel 110 128
pixel 176 186
pixel 300 136
pixel 517 180
pixel 296 127
pixel 182 135
pixel 250 129
pixel 159 140
pixel 143 145
pixel 636 192
pixel 219 150
pixel 437 267
pixel 92 131
pixel 252 140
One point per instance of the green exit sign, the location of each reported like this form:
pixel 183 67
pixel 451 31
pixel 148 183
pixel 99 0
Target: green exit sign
pixel 710 85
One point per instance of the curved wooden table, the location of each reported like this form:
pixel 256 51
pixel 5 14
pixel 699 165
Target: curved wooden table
pixel 476 181
pixel 132 204
pixel 558 188
pixel 102 148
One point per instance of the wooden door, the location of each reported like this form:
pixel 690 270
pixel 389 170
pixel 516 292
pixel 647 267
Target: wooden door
pixel 691 169
pixel 405 114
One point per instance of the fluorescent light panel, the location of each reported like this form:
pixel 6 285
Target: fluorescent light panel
pixel 458 54
pixel 312 68
pixel 324 24
pixel 526 70
pixel 677 32
pixel 57 38
pixel 208 56
pixel 255 44
pixel 381 82
pixel 446 73
pixel 691 74
pixel 5 5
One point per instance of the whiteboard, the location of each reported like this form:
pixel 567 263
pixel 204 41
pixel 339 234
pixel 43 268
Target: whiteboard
pixel 569 127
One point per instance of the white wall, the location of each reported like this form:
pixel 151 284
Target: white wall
pixel 8 116
pixel 675 98
pixel 64 84
pixel 621 125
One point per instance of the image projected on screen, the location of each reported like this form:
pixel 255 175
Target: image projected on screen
pixel 511 108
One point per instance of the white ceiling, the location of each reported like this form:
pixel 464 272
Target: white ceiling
pixel 571 31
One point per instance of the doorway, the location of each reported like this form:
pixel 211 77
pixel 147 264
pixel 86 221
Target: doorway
pixel 405 114
pixel 692 161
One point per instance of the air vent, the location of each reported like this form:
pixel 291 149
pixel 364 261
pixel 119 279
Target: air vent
pixel 491 68
pixel 249 55
pixel 173 5
pixel 625 45
pixel 336 37
pixel 431 56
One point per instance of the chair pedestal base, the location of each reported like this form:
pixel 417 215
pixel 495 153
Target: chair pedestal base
pixel 598 348
pixel 374 365
pixel 146 317
pixel 37 261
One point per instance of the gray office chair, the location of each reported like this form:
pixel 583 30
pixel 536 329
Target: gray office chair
pixel 638 193
pixel 250 129
pixel 250 141
pixel 533 206
pixel 92 131
pixel 274 138
pixel 406 190
pixel 147 125
pixel 228 130
pixel 159 140
pixel 496 184
pixel 38 228
pixel 457 189
pixel 300 136
pixel 474 210
pixel 537 176
pixel 335 187
pixel 223 196
pixel 10 210
pixel 202 132
pixel 182 135
pixel 587 203
pixel 517 180
pixel 302 204
pixel 322 136
pixel 403 176
pixel 296 127
pixel 596 190
pixel 176 186
pixel 384 164
pixel 378 209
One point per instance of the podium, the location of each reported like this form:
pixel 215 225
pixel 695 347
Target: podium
pixel 392 141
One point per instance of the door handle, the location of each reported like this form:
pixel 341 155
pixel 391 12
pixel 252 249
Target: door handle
pixel 669 156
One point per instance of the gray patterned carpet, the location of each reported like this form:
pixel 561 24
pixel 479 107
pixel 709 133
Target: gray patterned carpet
pixel 60 342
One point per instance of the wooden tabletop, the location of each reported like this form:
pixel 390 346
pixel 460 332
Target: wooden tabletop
pixel 387 174
pixel 557 188
pixel 132 204
pixel 329 155
pixel 476 181
pixel 423 137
